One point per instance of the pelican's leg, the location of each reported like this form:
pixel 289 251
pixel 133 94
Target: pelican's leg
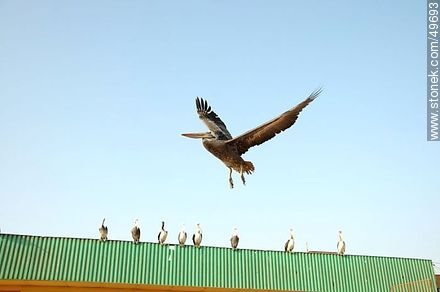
pixel 242 175
pixel 231 183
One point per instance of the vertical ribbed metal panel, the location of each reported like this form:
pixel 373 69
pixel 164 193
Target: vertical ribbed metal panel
pixel 68 259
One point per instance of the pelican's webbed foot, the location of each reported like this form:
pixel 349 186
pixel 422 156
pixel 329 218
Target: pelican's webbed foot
pixel 242 175
pixel 231 182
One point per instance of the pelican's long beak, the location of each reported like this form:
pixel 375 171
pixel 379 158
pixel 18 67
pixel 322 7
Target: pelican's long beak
pixel 198 135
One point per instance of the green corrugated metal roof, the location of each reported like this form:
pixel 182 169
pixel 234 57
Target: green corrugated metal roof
pixel 25 257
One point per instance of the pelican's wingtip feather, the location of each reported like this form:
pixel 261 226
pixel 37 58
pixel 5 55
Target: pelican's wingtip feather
pixel 315 93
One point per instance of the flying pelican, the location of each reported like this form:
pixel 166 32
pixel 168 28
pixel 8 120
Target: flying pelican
pixel 103 231
pixel 162 236
pixel 341 244
pixel 182 235
pixel 290 243
pixel 220 143
pixel 197 237
pixel 234 238
pixel 136 232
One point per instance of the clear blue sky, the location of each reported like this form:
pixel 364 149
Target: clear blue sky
pixel 95 94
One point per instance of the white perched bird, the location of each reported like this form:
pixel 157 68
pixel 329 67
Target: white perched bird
pixel 290 243
pixel 197 237
pixel 341 244
pixel 162 236
pixel 234 238
pixel 136 232
pixel 182 235
pixel 103 231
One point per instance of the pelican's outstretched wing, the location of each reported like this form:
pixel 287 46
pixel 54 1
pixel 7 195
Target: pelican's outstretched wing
pixel 269 129
pixel 211 120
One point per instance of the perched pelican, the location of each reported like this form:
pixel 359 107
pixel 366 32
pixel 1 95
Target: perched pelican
pixel 341 244
pixel 290 243
pixel 182 235
pixel 103 231
pixel 136 232
pixel 197 237
pixel 234 238
pixel 162 236
pixel 222 145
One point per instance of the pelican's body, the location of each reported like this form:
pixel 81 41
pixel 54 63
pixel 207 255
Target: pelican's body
pixel 219 142
pixel 162 236
pixel 341 244
pixel 103 231
pixel 290 243
pixel 228 154
pixel 182 236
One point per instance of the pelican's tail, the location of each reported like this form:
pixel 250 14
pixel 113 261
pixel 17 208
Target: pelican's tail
pixel 248 167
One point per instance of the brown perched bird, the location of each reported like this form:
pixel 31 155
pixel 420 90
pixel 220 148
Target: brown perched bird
pixel 103 231
pixel 220 143
pixel 136 232
pixel 234 239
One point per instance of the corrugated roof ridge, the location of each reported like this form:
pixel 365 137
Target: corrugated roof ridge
pixel 314 252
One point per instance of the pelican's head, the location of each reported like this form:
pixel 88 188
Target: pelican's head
pixel 136 222
pixel 235 231
pixel 205 135
pixel 198 227
pixel 291 233
pixel 340 235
